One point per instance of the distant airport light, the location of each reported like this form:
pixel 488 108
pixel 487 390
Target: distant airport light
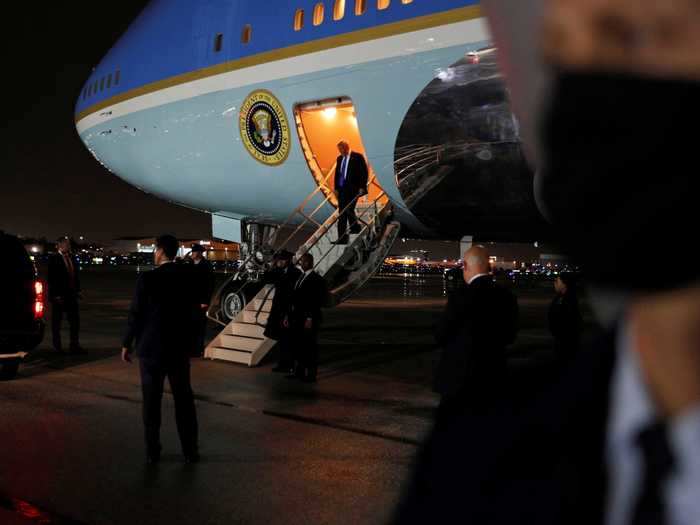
pixel 330 112
pixel 35 249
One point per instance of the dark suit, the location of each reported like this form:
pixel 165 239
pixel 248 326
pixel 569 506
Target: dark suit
pixel 64 289
pixel 532 459
pixel 480 320
pixel 163 321
pixel 284 280
pixel 349 187
pixel 204 275
pixel 308 297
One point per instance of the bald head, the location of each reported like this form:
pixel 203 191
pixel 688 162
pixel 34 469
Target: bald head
pixel 476 261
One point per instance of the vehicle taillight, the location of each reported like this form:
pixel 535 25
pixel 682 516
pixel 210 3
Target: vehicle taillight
pixel 38 300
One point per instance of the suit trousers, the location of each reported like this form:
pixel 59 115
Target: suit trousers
pixel 287 357
pixel 201 333
pixel 306 351
pixel 346 206
pixel 69 307
pixel 153 376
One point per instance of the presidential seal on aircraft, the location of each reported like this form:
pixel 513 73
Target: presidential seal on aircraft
pixel 265 128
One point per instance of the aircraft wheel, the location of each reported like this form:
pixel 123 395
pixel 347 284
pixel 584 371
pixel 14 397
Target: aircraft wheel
pixel 232 303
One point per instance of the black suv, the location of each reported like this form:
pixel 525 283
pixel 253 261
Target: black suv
pixel 21 305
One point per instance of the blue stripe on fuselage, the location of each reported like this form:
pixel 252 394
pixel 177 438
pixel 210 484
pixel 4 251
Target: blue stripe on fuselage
pixel 173 37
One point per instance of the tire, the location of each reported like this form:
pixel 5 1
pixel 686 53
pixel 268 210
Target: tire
pixel 8 370
pixel 232 303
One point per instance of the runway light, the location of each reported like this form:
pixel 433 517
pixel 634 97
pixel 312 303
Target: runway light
pixel 330 112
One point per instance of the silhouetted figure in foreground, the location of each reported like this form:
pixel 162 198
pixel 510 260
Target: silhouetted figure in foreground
pixel 164 329
pixel 617 440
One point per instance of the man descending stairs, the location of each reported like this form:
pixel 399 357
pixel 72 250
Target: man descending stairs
pixel 344 266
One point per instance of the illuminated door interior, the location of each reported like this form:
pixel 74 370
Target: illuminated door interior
pixel 322 124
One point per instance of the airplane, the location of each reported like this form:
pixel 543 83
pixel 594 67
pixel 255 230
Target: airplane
pixel 235 108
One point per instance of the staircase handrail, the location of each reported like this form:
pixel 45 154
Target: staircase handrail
pixel 334 219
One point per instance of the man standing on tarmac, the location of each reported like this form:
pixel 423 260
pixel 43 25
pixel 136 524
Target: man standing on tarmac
pixel 283 276
pixel 164 324
pixel 304 319
pixel 64 292
pixel 481 319
pixel 351 175
pixel 205 279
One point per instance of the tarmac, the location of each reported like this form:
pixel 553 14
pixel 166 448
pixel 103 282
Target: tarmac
pixel 274 450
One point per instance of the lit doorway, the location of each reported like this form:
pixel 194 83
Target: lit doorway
pixel 321 125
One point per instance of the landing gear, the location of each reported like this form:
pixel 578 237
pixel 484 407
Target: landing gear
pixel 256 251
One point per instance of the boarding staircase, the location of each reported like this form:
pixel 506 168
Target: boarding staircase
pixel 345 267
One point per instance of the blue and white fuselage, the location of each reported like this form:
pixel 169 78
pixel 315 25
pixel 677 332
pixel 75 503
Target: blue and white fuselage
pixel 162 108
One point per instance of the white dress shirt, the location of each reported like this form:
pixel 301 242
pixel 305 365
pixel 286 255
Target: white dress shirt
pixel 631 409
pixel 470 281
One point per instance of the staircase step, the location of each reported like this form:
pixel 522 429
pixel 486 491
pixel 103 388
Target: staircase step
pixel 249 317
pixel 254 305
pixel 237 342
pixel 226 354
pixel 247 330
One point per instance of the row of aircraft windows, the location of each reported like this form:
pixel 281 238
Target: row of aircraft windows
pixel 339 11
pixel 319 14
pixel 101 84
pixel 246 35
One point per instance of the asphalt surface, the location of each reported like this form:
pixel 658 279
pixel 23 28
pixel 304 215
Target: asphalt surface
pixel 273 450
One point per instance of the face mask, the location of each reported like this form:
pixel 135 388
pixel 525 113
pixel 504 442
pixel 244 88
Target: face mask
pixel 619 177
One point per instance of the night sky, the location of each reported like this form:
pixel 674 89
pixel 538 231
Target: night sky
pixel 52 185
